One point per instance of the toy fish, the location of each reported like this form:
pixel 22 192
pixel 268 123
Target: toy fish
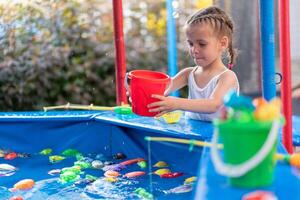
pixel 171 175
pixel 46 152
pixel 111 173
pixel 143 194
pixel 161 164
pixel 239 102
pixel 190 180
pixel 179 189
pixel 160 172
pixel 134 174
pixel 10 156
pixel 132 161
pixel 115 167
pixel 25 184
pixel 68 176
pixel 7 170
pixel 142 164
pixel 54 172
pixel 97 164
pixel 70 152
pixel 119 156
pixel 82 164
pixel 56 158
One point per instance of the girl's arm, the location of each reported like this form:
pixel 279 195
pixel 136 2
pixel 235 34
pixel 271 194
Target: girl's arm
pixel 179 81
pixel 226 82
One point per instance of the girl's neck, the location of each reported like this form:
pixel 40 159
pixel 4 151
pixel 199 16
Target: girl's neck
pixel 215 66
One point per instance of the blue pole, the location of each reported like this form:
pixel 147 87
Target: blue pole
pixel 267 48
pixel 171 39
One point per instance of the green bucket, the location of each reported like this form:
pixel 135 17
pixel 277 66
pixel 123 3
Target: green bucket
pixel 249 150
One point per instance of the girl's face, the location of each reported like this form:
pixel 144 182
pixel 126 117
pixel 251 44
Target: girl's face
pixel 204 45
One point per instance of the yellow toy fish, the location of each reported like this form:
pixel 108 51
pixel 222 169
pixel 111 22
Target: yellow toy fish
pixel 160 164
pixel 56 159
pixel 190 180
pixel 46 152
pixel 160 172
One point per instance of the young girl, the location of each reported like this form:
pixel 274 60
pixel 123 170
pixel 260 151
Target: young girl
pixel 209 35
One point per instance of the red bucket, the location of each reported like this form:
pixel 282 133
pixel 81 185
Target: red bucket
pixel 144 83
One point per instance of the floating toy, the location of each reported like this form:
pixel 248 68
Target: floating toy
pixel 7 170
pixel 132 161
pixel 114 167
pixel 54 172
pixel 117 109
pixel 134 174
pixel 82 164
pixel 25 184
pixel 190 180
pixel 119 156
pixel 2 153
pixel 83 182
pixel 171 117
pixel 23 155
pixel 179 189
pixel 111 173
pixel 10 156
pixel 46 152
pixel 160 164
pixel 160 172
pixel 111 179
pixel 97 164
pixel 16 198
pixel 70 152
pixel 56 158
pixel 143 194
pixel 293 160
pixel 90 177
pixel 74 169
pixel 69 176
pixel 171 175
pixel 142 164
pixel 259 195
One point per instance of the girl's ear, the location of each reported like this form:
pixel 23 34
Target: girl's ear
pixel 224 42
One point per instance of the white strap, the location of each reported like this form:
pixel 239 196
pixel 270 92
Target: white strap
pixel 243 168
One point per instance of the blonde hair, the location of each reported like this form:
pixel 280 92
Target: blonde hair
pixel 220 22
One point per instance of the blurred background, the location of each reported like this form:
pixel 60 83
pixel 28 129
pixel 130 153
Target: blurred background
pixel 58 51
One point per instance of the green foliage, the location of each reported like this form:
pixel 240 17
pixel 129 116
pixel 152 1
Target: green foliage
pixel 59 51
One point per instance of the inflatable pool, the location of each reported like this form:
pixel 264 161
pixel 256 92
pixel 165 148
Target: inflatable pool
pixel 43 145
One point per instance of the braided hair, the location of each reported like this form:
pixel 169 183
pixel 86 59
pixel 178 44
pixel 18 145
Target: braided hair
pixel 221 23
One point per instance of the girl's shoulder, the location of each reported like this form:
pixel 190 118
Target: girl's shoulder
pixel 228 76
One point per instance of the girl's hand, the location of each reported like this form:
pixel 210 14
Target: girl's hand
pixel 166 104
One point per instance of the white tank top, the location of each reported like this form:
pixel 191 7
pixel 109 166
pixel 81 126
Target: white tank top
pixel 196 92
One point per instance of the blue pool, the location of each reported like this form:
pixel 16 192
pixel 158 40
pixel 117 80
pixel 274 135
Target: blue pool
pixel 99 136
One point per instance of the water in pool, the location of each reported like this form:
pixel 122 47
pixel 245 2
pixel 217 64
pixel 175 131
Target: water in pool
pixel 73 175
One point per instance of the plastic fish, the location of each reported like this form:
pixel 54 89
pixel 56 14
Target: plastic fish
pixel 46 152
pixel 90 177
pixel 142 164
pixel 83 164
pixel 119 156
pixel 259 195
pixel 23 155
pixel 111 179
pixel 132 161
pixel 171 175
pixel 56 159
pixel 115 167
pixel 111 173
pixel 2 153
pixel 97 164
pixel 16 198
pixel 54 172
pixel 190 180
pixel 160 172
pixel 74 169
pixel 70 152
pixel 69 176
pixel 160 164
pixel 83 182
pixel 143 194
pixel 7 170
pixel 134 174
pixel 179 189
pixel 10 156
pixel 25 184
